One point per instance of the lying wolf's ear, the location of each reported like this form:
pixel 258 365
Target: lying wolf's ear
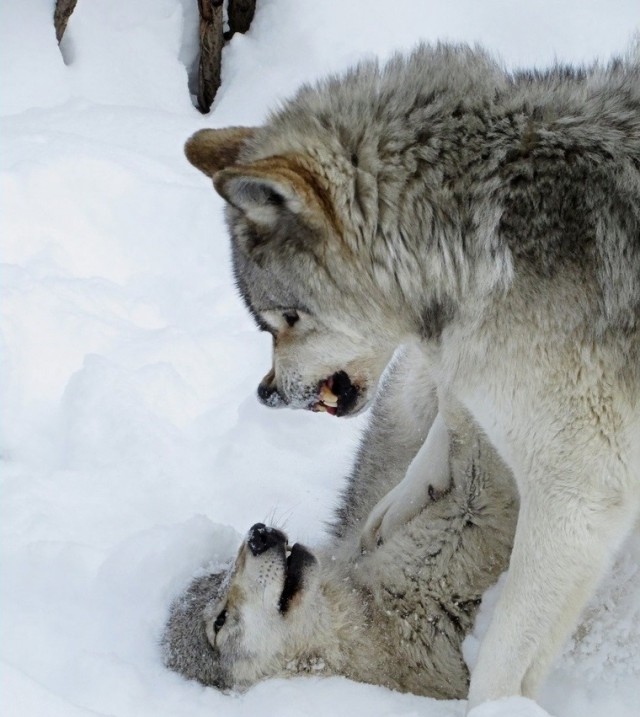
pixel 264 189
pixel 211 150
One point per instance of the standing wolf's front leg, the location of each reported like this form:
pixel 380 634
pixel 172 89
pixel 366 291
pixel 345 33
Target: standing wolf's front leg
pixel 427 477
pixel 567 532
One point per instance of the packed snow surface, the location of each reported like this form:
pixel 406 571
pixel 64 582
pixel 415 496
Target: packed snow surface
pixel 134 452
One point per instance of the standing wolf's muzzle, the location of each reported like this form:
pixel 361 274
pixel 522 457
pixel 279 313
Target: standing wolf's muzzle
pixel 336 395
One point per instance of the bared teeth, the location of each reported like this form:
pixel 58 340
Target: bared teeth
pixel 328 397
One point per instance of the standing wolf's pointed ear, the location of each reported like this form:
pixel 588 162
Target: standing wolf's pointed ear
pixel 261 192
pixel 211 150
pixel 266 188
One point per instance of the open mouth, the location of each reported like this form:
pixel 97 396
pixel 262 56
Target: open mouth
pixel 337 395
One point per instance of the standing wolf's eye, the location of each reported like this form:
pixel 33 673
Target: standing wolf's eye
pixel 291 317
pixel 220 620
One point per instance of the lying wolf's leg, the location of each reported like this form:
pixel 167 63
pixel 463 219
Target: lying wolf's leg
pixel 401 418
pixel 564 541
pixel 427 477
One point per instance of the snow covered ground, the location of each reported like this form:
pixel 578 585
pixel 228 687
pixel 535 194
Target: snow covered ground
pixel 133 449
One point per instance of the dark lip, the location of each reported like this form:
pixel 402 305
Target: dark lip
pixel 298 560
pixel 347 403
pixel 355 410
pixel 347 391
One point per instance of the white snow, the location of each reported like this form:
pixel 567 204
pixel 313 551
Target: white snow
pixel 134 452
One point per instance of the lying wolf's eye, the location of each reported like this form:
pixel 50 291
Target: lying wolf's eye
pixel 220 620
pixel 291 317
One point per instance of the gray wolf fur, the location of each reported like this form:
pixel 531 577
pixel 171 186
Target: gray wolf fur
pixel 492 220
pixel 395 616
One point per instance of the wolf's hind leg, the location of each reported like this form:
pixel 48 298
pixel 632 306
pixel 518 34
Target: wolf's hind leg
pixel 427 477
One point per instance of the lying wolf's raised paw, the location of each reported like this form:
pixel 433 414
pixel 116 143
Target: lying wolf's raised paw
pixel 396 509
pixel 427 478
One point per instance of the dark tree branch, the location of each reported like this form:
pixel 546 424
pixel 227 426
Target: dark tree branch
pixel 212 38
pixel 211 41
pixel 61 16
pixel 240 14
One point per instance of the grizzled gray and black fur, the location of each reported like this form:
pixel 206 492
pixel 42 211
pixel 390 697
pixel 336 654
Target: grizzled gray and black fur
pixel 490 220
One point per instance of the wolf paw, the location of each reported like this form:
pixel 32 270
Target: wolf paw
pixel 396 509
pixel 427 478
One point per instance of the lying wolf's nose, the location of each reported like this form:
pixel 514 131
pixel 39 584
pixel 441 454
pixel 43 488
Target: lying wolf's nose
pixel 261 538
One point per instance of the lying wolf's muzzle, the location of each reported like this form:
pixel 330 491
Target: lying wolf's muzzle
pixel 261 538
pixel 297 559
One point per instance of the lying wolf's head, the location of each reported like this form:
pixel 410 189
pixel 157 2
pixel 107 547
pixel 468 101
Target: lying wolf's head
pixel 302 265
pixel 234 628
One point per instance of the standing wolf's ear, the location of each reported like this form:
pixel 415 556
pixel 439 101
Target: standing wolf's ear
pixel 261 192
pixel 211 150
pixel 266 188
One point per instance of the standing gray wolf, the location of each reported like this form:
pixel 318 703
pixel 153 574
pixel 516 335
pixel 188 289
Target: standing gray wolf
pixel 395 616
pixel 493 220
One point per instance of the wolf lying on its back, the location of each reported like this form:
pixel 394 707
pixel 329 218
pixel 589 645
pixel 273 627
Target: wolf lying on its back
pixel 493 220
pixel 395 617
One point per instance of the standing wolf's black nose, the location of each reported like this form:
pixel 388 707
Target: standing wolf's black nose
pixel 268 391
pixel 265 391
pixel 262 538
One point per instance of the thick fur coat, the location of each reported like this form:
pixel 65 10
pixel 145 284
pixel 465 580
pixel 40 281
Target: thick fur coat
pixel 493 221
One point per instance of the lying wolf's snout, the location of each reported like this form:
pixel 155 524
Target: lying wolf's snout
pixel 262 538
